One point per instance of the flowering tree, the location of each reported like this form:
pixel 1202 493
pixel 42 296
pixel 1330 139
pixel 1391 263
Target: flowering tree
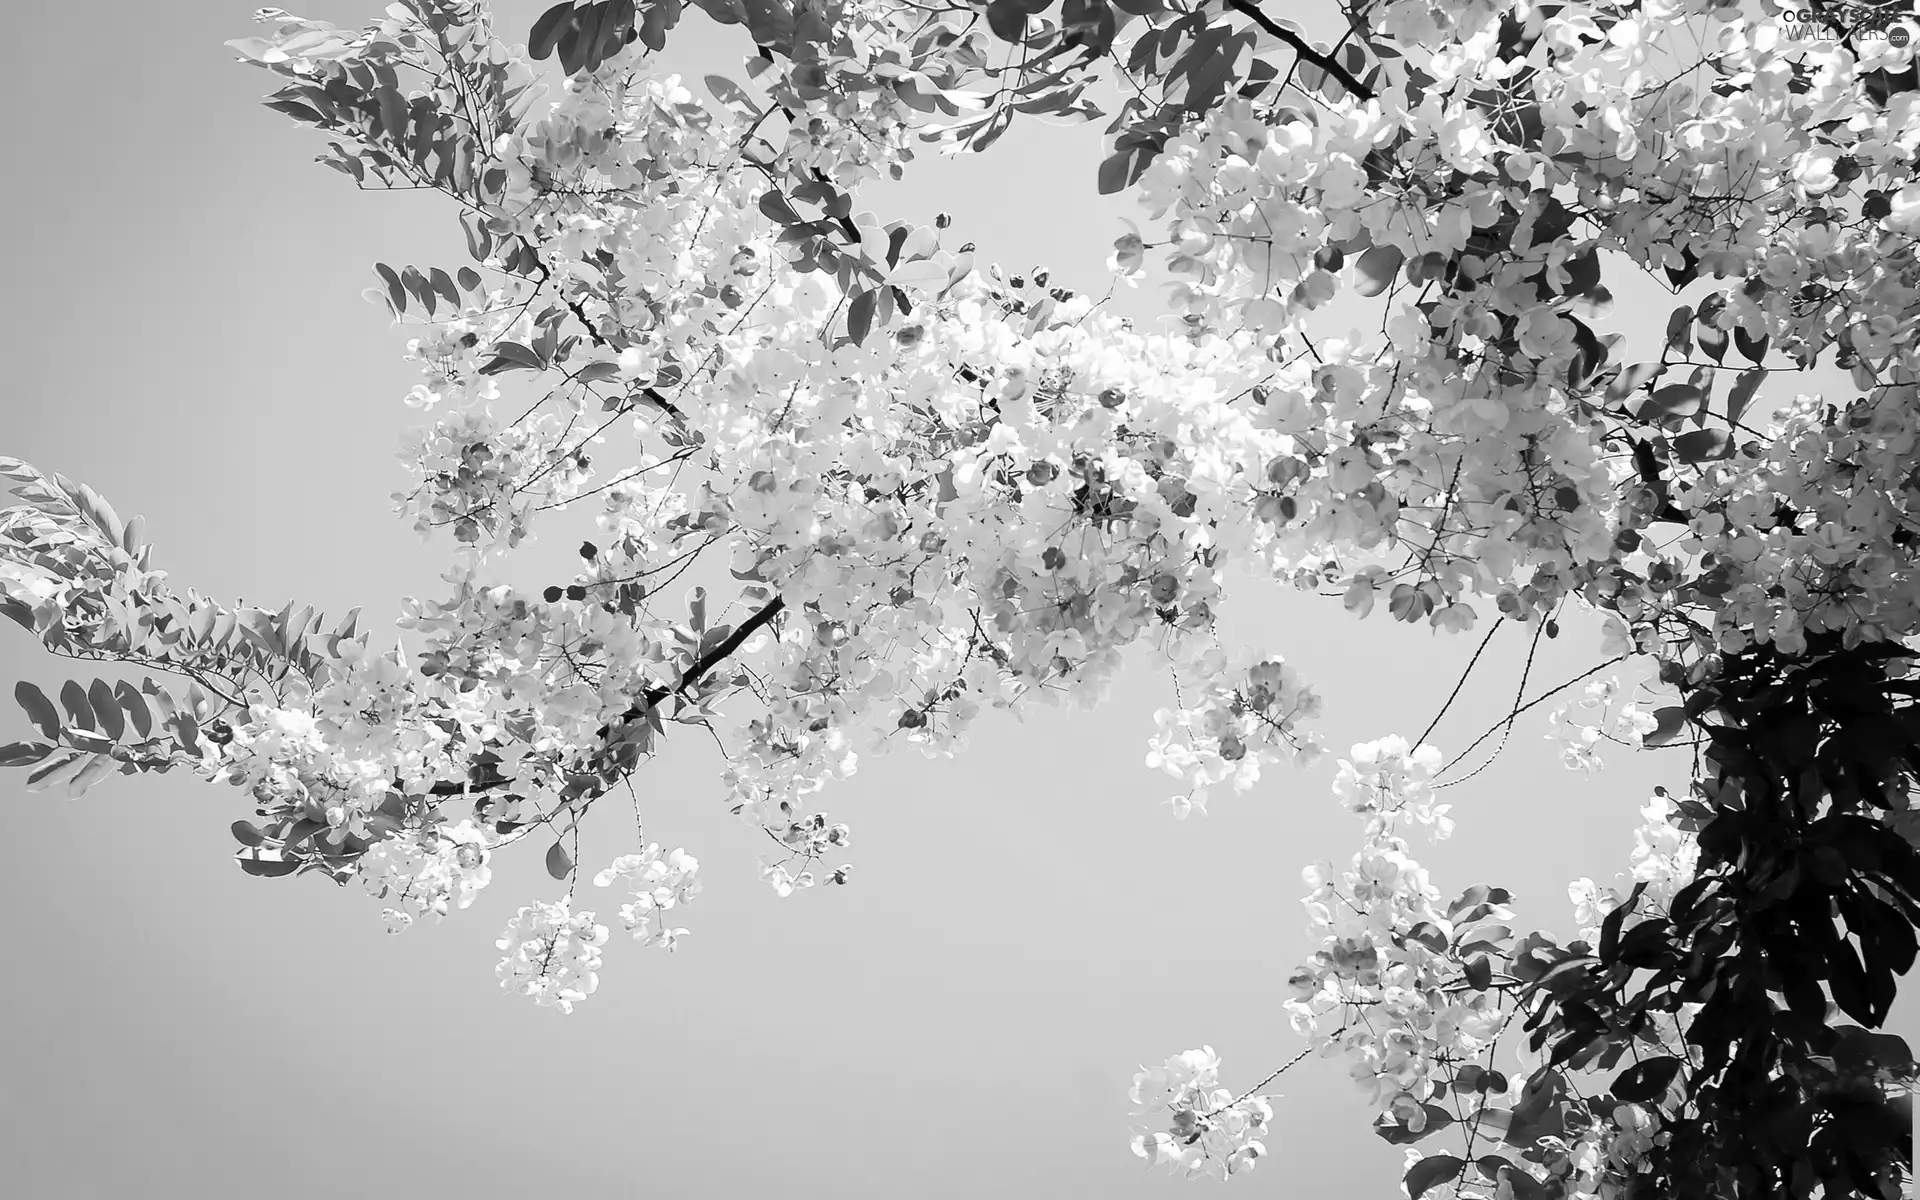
pixel 944 490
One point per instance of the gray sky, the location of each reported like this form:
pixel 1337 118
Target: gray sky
pixel 1027 923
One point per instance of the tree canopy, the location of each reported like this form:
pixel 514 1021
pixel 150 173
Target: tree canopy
pixel 944 489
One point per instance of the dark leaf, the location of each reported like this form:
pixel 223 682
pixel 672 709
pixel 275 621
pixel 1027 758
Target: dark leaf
pixel 1438 1168
pixel 1632 379
pixel 1008 20
pixel 1584 272
pixel 1393 1131
pixel 512 356
pixel 1741 394
pixel 1646 1081
pixel 1668 722
pixel 776 209
pixel 547 30
pixel 442 284
pixel 135 707
pixel 247 834
pixel 73 698
pixel 1754 349
pixel 558 864
pixel 1680 330
pixel 1713 341
pixel 1377 268
pixel 1676 400
pixel 21 754
pixel 860 315
pixel 112 723
pixel 1479 972
pixel 395 292
pixel 39 709
pixel 267 868
pixel 1703 445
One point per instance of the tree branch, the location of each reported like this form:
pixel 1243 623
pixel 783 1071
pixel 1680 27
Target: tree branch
pixel 713 658
pixel 1300 47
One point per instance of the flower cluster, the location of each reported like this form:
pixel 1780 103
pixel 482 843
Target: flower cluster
pixel 1242 717
pixel 1390 968
pixel 1580 740
pixel 425 874
pixel 1200 1128
pixel 658 883
pixel 552 954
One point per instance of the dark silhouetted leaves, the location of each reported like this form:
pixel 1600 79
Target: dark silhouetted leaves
pixel 1646 1081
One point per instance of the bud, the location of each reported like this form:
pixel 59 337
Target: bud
pixel 943 221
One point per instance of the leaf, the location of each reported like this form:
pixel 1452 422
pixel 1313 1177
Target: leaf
pixel 21 754
pixel 1393 1131
pixel 1429 1171
pixel 547 31
pixel 731 94
pixel 775 208
pixel 73 698
pixel 267 868
pixel 98 767
pixel 39 709
pixel 1479 972
pixel 417 286
pixel 1680 330
pixel 1754 349
pixel 1473 898
pixel 1675 401
pixel 1583 272
pixel 1377 269
pixel 1668 721
pixel 107 709
pixel 558 864
pixel 1703 445
pixel 57 770
pixel 860 315
pixel 247 834
pixel 442 284
pixel 512 356
pixel 395 293
pixel 468 279
pixel 1741 394
pixel 1008 20
pixel 1116 172
pixel 1646 1081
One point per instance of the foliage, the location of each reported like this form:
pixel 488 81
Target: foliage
pixel 943 489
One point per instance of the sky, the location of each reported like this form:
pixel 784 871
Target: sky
pixel 1027 923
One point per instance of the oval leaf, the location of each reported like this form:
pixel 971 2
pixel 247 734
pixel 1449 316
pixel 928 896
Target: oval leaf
pixel 1376 269
pixel 1741 394
pixel 107 709
pixel 39 709
pixel 1703 445
pixel 1675 401
pixel 547 30
pixel 1435 1169
pixel 558 864
pixel 1646 1081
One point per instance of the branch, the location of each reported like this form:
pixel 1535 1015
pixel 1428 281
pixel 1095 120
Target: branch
pixel 713 658
pixel 1300 47
pixel 652 696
